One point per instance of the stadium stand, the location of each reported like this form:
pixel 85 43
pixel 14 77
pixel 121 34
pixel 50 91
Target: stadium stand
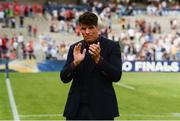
pixel 45 31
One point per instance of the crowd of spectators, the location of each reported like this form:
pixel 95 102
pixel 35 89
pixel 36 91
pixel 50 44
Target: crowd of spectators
pixel 147 41
pixel 143 41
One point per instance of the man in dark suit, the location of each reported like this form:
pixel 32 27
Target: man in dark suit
pixel 93 64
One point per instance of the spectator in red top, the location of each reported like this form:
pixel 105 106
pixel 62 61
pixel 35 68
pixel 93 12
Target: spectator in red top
pixel 30 50
pixel 4 46
pixel 17 9
pixel 26 10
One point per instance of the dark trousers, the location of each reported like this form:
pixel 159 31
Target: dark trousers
pixel 84 113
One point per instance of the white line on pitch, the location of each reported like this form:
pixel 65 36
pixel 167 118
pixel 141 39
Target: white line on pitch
pixel 12 101
pixel 125 86
pixel 176 114
pixel 149 115
pixel 128 115
pixel 40 115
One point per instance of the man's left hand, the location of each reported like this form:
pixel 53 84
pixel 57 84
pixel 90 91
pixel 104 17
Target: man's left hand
pixel 94 50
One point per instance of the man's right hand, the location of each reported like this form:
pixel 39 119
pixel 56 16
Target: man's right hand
pixel 78 56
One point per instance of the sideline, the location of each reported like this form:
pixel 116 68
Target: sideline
pixel 125 86
pixel 40 115
pixel 128 115
pixel 12 101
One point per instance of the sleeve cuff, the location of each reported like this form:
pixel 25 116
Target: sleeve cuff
pixel 73 66
pixel 100 61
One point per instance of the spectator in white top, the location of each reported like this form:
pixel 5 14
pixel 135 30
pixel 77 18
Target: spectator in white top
pixel 151 9
pixel 20 38
pixel 55 14
pixel 131 33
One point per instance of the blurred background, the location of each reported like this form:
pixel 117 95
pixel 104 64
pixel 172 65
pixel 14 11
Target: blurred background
pixel 35 37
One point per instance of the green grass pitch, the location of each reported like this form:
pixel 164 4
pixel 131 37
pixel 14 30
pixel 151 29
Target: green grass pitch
pixel 141 96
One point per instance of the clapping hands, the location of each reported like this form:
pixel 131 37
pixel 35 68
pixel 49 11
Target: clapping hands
pixel 94 50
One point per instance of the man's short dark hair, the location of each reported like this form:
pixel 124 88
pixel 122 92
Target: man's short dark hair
pixel 88 18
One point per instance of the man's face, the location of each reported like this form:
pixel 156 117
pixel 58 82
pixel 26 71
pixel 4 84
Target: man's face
pixel 89 32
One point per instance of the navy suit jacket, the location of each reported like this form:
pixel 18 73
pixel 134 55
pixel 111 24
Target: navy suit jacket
pixel 99 78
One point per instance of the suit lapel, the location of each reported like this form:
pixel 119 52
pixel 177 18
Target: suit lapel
pixel 88 64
